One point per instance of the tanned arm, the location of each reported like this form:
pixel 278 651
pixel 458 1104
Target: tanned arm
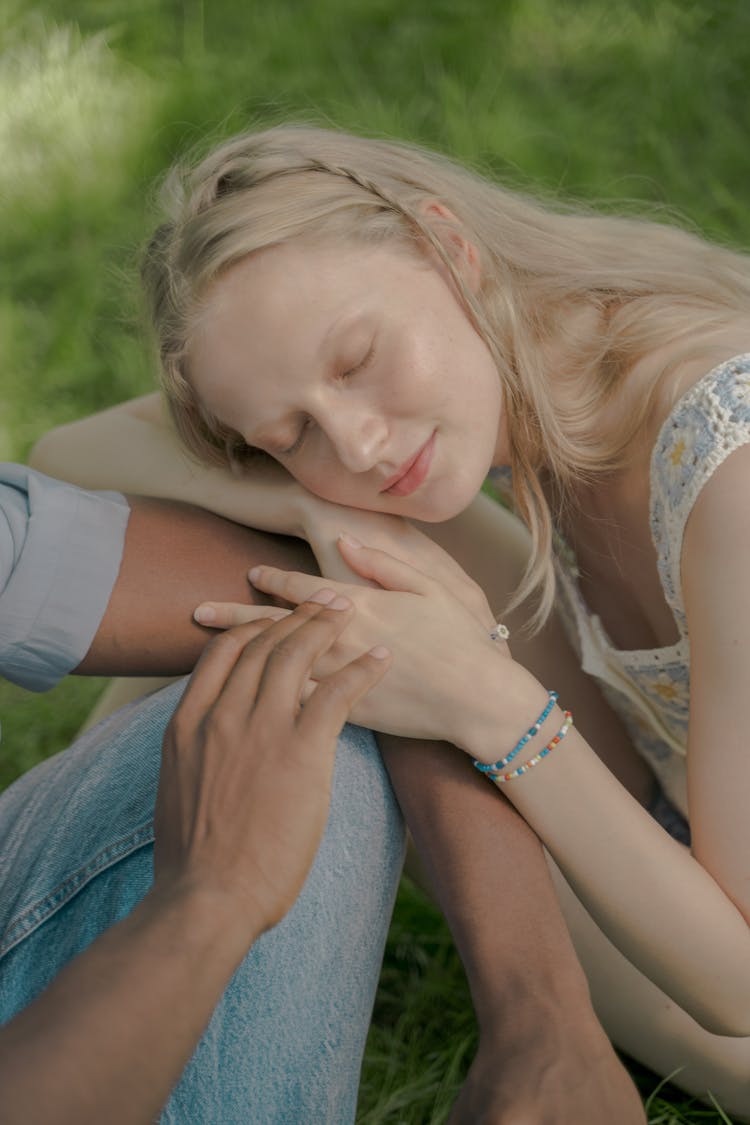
pixel 542 1051
pixel 175 556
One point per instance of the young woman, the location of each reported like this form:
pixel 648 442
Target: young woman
pixel 382 327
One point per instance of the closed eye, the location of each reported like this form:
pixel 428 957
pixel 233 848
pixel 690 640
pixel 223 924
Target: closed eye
pixel 363 363
pixel 297 444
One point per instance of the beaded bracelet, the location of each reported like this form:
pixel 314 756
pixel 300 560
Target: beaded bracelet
pixel 500 779
pixel 495 767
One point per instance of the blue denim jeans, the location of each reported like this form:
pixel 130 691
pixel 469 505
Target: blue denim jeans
pixel 286 1040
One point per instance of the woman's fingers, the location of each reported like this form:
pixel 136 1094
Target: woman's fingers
pixel 291 585
pixel 380 567
pixel 383 568
pixel 226 615
pixel 394 573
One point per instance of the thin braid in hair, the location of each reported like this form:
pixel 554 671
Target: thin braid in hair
pixel 389 201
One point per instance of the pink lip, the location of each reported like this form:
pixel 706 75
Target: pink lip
pixel 413 472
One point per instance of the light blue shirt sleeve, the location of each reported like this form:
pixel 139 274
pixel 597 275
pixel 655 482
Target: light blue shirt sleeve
pixel 60 554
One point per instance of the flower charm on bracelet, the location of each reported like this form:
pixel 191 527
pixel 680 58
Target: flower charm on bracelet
pixel 500 632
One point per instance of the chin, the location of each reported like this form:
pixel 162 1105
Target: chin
pixel 437 513
pixel 441 504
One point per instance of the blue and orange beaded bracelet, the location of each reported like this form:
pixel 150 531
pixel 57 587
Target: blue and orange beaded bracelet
pixel 500 779
pixel 501 763
pixel 494 770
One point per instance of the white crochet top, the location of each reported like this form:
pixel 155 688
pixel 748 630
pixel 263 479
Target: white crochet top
pixel 650 688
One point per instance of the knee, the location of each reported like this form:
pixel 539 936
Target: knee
pixel 729 1076
pixel 363 805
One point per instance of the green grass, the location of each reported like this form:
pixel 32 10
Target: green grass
pixel 643 102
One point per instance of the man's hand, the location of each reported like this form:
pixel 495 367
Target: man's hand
pixel 242 804
pixel 246 770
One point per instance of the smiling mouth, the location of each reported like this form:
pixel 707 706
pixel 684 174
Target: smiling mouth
pixel 413 472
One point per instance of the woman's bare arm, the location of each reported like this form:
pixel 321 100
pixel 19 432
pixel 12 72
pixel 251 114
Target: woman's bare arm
pixel 133 448
pixel 176 552
pixel 668 914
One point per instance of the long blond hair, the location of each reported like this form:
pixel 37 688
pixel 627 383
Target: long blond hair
pixel 539 265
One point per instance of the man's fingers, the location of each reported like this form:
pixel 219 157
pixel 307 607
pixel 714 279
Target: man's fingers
pixel 276 665
pixel 216 662
pixel 330 704
pixel 233 661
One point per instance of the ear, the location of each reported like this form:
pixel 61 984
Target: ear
pixel 463 253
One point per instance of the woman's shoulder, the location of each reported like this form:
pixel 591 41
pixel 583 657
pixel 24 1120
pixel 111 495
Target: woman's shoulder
pixel 706 423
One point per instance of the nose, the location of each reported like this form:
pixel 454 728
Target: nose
pixel 358 436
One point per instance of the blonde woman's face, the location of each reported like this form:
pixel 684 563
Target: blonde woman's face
pixel 357 369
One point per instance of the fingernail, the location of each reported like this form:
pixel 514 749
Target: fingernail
pixel 350 540
pixel 380 652
pixel 323 597
pixel 254 573
pixel 204 614
pixel 340 603
pixel 279 615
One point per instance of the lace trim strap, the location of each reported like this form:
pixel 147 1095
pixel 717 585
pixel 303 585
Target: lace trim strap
pixel 710 421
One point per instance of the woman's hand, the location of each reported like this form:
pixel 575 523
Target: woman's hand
pixel 445 665
pixel 323 523
pixel 246 771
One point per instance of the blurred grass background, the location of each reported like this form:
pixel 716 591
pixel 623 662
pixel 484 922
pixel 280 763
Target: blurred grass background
pixel 637 103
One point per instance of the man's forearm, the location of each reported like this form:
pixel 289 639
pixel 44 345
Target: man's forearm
pixel 175 557
pixel 490 877
pixel 109 1038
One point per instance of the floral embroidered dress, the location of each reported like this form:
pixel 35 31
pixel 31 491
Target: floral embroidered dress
pixel 650 688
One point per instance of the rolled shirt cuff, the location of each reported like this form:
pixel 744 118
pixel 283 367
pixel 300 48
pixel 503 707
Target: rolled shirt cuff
pixel 56 596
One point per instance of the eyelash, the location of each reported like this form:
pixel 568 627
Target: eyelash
pixel 363 363
pixel 296 445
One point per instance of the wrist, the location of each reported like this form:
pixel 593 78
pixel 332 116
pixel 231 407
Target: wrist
pixel 530 999
pixel 305 510
pixel 509 699
pixel 208 917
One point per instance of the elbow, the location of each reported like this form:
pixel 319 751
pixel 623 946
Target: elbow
pixel 729 1027
pixel 727 1016
pixel 46 455
pixel 718 996
pixel 66 452
pixel 721 1002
